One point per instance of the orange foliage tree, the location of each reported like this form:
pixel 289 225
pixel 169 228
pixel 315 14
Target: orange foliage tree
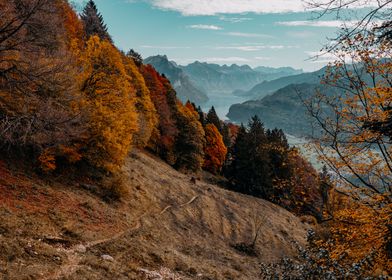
pixel 303 188
pixel 147 115
pixel 361 231
pixel 214 151
pixel 163 97
pixel 356 146
pixel 38 85
pixel 110 99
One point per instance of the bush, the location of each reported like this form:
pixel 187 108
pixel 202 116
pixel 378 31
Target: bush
pixel 114 187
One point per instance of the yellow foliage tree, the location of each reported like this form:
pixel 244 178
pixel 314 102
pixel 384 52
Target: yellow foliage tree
pixel 38 85
pixel 356 145
pixel 361 231
pixel 110 98
pixel 147 115
pixel 189 146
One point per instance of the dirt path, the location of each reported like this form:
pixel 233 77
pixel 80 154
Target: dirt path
pixel 74 257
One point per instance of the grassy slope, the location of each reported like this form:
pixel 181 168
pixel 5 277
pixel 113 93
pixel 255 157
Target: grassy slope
pixel 167 224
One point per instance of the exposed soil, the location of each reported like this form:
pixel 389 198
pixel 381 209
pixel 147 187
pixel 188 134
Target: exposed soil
pixel 167 228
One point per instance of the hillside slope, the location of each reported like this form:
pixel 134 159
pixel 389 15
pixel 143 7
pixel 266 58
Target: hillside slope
pixel 283 109
pixel 268 87
pixel 167 226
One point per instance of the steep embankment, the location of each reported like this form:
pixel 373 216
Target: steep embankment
pixel 167 225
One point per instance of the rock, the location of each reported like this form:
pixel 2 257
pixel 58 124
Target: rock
pixel 90 188
pixel 107 258
pixel 80 248
pixel 310 220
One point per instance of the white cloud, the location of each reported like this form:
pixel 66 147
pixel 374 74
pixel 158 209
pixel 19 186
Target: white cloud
pixel 252 48
pixel 248 35
pixel 235 19
pixel 324 23
pixel 218 60
pixel 320 57
pixel 317 23
pixel 301 34
pixel 214 7
pixel 231 59
pixel 163 47
pixel 263 58
pixel 205 26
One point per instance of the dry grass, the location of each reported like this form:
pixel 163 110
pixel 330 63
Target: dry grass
pixel 166 223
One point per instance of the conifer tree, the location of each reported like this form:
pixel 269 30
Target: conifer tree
pixel 226 135
pixel 213 118
pixel 202 117
pixel 239 170
pixel 137 57
pixel 94 23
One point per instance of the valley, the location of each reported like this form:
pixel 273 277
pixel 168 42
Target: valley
pixel 198 163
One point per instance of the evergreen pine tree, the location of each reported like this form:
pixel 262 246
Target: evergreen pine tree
pixel 238 171
pixel 202 117
pixel 94 23
pixel 213 118
pixel 226 135
pixel 137 58
pixel 260 180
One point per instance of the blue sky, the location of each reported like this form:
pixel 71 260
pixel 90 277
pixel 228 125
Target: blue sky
pixel 254 32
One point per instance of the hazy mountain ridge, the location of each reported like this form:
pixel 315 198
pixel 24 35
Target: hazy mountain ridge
pixel 227 79
pixel 279 103
pixel 198 80
pixel 268 87
pixel 283 109
pixel 185 88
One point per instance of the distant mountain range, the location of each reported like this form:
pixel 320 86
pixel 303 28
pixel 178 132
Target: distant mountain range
pixel 283 109
pixel 185 88
pixel 214 78
pixel 268 87
pixel 279 103
pixel 199 81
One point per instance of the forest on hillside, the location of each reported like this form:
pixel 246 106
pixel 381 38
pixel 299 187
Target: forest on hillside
pixel 71 101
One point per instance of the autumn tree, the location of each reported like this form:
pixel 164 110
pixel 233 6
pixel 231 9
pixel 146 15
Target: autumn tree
pixel 377 15
pixel 189 146
pixel 93 22
pixel 215 150
pixel 146 113
pixel 358 153
pixel 110 100
pixel 164 99
pixel 38 87
pixel 355 142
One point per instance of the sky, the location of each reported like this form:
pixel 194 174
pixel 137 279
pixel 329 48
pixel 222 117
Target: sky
pixel 273 33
